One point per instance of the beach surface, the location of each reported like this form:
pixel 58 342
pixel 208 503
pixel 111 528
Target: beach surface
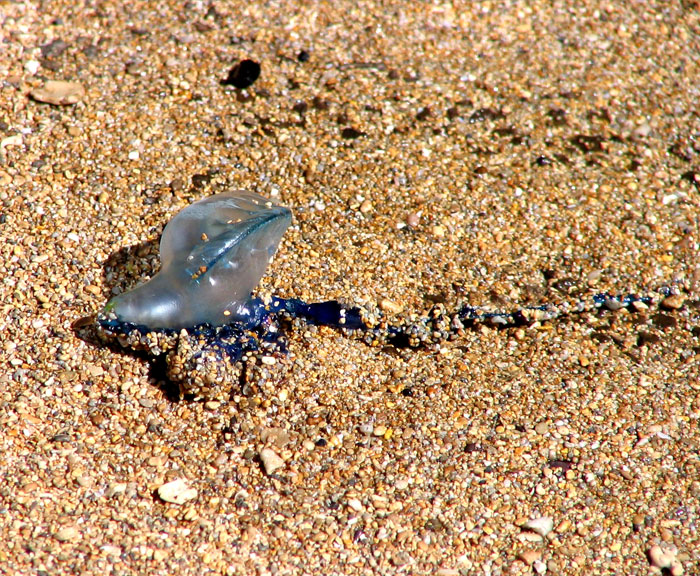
pixel 497 154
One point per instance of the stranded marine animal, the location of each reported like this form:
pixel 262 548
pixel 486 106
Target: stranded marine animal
pixel 199 312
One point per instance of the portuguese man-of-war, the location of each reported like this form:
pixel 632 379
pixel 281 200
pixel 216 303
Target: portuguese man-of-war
pixel 199 313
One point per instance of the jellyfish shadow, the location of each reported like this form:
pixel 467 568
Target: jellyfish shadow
pixel 122 270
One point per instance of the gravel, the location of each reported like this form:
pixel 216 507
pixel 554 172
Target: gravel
pixel 496 154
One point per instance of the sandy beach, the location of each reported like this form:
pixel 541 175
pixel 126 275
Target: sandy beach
pixel 497 154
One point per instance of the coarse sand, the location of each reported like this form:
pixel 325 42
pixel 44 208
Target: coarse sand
pixel 493 153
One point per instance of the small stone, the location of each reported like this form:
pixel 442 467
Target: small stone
pixel 366 206
pixel 677 569
pixel 541 526
pixel 661 558
pixel 672 302
pixel 243 74
pixel 530 537
pixel 67 534
pixel 366 428
pixel 32 67
pixel 413 219
pixel 115 489
pixel 160 555
pixel 277 436
pixel 438 231
pixel 270 460
pixel 177 492
pixel 94 370
pixel 59 93
pixel 379 430
pixel 387 305
pixel 539 567
pixel 530 556
pixel 541 428
pixel 14 140
pixel 110 550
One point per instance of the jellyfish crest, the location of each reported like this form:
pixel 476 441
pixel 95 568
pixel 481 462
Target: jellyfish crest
pixel 213 254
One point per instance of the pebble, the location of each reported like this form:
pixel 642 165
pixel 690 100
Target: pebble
pixel 243 74
pixel 390 306
pixel 277 436
pixel 59 93
pixel 271 461
pixel 672 302
pixel 366 207
pixel 67 534
pixel 662 557
pixel 530 556
pixel 542 525
pixel 14 140
pixel 413 220
pixel 438 231
pixel 542 428
pixel 178 492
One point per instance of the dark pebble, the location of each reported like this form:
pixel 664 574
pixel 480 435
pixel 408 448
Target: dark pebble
pixel 61 437
pixel 561 464
pixel 646 338
pixel 351 133
pixel 300 107
pixel 566 286
pixel 423 114
pixel 587 143
pixel 664 320
pixel 483 114
pixel 243 74
pixel 319 103
pixel 434 524
pixel 200 180
pixel 557 116
pixel 54 49
pixel 303 56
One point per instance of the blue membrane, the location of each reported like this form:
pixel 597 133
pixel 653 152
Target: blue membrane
pixel 261 329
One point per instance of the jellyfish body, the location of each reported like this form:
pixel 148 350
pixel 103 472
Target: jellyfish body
pixel 213 254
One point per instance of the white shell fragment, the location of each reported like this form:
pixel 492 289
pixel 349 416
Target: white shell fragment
pixel 271 461
pixel 213 254
pixel 541 526
pixel 59 93
pixel 177 492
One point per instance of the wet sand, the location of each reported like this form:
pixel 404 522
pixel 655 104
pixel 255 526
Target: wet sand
pixel 496 154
